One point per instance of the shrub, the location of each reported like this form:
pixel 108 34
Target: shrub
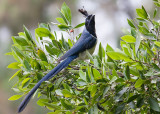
pixel 123 80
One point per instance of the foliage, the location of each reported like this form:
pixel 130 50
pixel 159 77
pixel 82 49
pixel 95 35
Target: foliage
pixel 123 80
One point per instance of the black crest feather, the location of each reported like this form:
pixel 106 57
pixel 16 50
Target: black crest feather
pixel 83 11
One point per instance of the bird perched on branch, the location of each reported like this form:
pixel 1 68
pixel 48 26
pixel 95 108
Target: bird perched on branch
pixel 87 41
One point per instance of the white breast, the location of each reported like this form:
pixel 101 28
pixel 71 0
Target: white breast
pixel 84 56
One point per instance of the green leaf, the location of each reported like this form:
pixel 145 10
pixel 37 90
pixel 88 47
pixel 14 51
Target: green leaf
pixel 96 74
pixel 156 24
pixel 113 55
pixel 60 20
pixel 140 102
pixel 106 89
pixel 143 30
pixel 70 42
pixel 120 108
pixel 56 112
pixel 141 19
pixel 155 13
pixel 63 27
pixel 157 4
pixel 51 106
pixel 142 13
pixel 59 92
pixel 82 75
pixel 157 43
pixel 16 57
pixel 132 98
pixel 97 62
pixel 66 93
pixel 133 32
pixel 155 67
pixel 79 25
pixel 28 34
pixel 27 65
pixel 128 38
pixel 52 51
pixel 25 82
pixel 101 52
pixel 35 64
pixel 66 12
pixel 118 56
pixel 158 84
pixel 114 73
pixel 120 93
pixel 89 55
pixel 130 22
pixel 8 53
pixel 138 42
pixel 81 82
pixel 155 0
pixel 56 44
pixel 138 83
pixel 149 73
pixel 40 102
pixel 37 38
pixel 66 104
pixel 145 12
pixel 65 44
pixel 43 25
pixel 22 34
pixel 42 55
pixel 127 73
pixel 68 112
pixel 14 65
pixel 93 110
pixel 113 79
pixel 109 48
pixel 20 41
pixel 93 90
pixel 44 102
pixel 15 97
pixel 90 76
pixel 16 90
pixel 132 105
pixel 126 51
pixel 43 32
pixel 63 17
pixel 66 86
pixel 15 74
pixel 154 104
pixel 18 52
pixel 44 64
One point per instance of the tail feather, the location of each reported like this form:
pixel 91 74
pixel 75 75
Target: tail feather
pixel 48 76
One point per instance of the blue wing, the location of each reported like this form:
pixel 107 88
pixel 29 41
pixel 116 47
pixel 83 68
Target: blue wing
pixel 86 41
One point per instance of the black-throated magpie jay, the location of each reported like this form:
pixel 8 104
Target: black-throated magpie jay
pixel 87 41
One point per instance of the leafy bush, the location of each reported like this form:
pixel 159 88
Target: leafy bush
pixel 123 80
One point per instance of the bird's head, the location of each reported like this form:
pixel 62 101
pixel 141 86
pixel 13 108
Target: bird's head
pixel 89 22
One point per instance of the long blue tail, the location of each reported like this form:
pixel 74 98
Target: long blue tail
pixel 51 74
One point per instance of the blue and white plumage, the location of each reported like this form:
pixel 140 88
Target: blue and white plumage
pixel 87 41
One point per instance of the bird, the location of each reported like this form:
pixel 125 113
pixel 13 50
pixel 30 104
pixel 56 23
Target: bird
pixel 86 42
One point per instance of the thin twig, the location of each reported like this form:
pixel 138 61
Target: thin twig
pixel 158 58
